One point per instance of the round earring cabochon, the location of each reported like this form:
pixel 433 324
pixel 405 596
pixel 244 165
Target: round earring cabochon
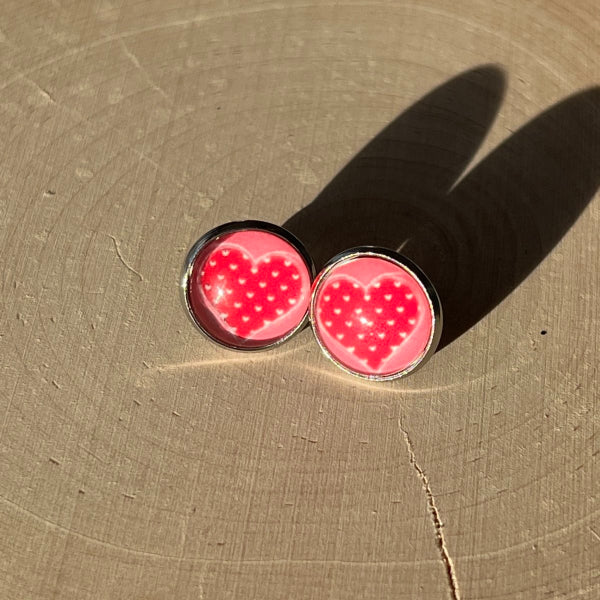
pixel 247 285
pixel 375 314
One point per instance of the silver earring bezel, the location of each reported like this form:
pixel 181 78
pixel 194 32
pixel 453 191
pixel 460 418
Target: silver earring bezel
pixel 403 262
pixel 232 227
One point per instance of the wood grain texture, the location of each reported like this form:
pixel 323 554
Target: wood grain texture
pixel 139 462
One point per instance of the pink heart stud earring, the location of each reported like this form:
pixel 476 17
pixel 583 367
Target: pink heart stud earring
pixel 246 285
pixel 375 314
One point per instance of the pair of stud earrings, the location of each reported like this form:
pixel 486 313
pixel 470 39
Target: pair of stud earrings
pixel 252 285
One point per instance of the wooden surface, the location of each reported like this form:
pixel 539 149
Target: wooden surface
pixel 139 462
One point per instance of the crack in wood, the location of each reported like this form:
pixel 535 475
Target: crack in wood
pixel 435 516
pixel 121 258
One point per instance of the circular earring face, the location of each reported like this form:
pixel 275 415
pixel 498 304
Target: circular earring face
pixel 375 314
pixel 247 285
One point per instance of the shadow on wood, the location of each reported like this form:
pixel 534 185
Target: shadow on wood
pixel 477 235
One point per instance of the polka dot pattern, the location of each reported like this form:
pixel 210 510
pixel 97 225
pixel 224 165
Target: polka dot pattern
pixel 370 322
pixel 248 288
pixel 372 315
pixel 249 294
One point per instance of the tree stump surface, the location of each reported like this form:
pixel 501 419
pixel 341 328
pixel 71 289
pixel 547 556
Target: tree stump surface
pixel 139 461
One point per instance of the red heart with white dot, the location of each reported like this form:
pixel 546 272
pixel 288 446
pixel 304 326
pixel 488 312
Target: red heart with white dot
pixel 371 321
pixel 248 294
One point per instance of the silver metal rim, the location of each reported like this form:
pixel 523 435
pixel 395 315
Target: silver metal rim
pixel 406 264
pixel 233 227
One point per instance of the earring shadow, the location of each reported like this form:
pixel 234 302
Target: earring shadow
pixel 479 238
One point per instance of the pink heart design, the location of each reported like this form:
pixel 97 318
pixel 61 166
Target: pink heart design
pixel 247 294
pixel 370 321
